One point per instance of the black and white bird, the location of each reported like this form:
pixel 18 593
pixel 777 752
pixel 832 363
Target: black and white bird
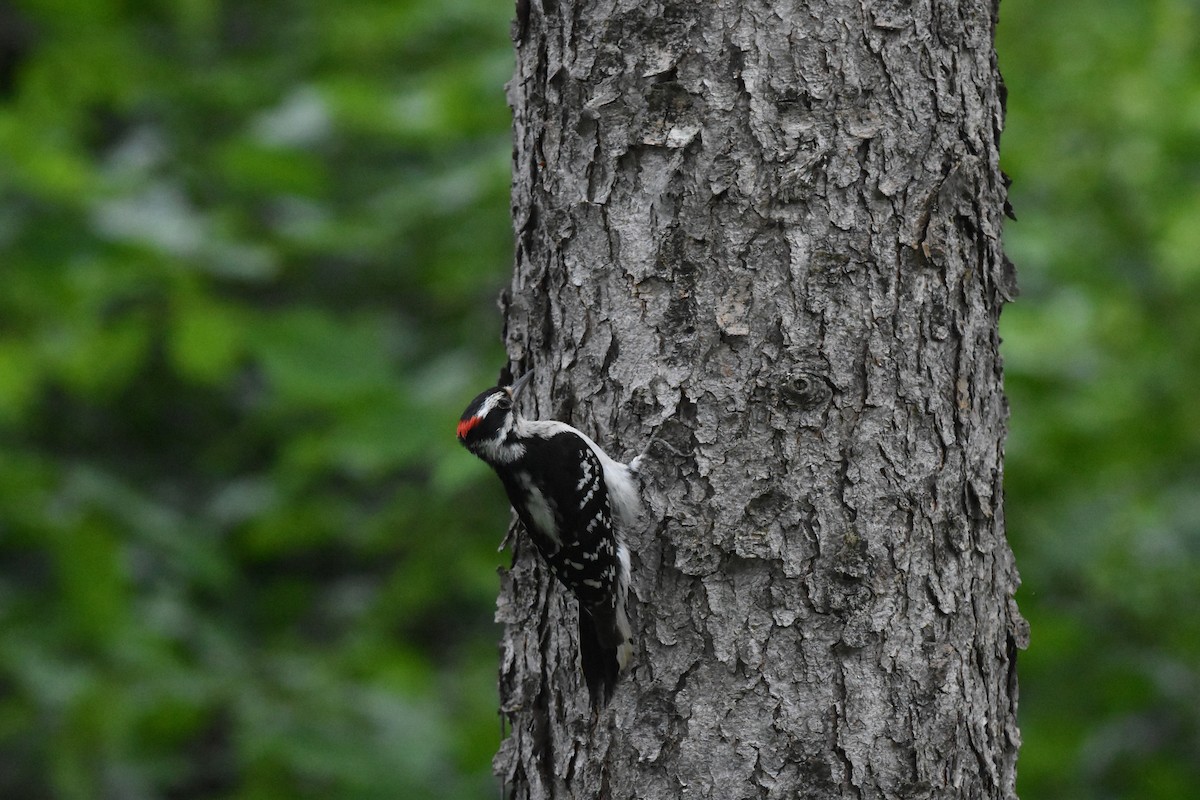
pixel 574 500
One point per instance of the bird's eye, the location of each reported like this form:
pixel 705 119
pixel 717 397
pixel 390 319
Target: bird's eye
pixel 505 403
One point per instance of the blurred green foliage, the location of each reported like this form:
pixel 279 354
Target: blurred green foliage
pixel 250 258
pixel 1102 356
pixel 249 254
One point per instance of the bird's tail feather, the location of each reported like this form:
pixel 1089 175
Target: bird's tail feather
pixel 605 648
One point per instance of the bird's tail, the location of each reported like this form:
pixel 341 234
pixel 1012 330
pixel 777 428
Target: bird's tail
pixel 605 649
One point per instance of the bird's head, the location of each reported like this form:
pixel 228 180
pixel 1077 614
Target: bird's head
pixel 485 426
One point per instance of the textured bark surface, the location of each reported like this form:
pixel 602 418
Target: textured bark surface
pixel 770 231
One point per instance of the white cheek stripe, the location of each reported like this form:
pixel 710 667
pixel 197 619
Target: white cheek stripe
pixel 488 405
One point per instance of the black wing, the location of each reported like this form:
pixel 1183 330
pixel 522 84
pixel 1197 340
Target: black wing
pixel 562 479
pixel 581 547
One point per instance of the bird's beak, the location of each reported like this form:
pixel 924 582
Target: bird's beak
pixel 519 384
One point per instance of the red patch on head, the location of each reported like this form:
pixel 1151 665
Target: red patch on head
pixel 464 426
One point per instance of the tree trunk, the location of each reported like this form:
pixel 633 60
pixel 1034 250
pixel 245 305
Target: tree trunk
pixel 771 232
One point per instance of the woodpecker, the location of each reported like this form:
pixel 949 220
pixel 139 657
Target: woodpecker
pixel 568 493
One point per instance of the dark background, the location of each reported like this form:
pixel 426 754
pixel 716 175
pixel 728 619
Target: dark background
pixel 249 259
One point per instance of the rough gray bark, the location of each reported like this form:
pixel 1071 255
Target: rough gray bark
pixel 775 226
